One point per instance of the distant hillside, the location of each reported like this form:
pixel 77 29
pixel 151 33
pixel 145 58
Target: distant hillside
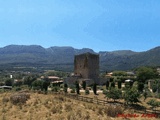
pixel 37 56
pixel 63 57
pixel 125 60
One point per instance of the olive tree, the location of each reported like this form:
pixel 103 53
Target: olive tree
pixel 131 95
pixel 114 94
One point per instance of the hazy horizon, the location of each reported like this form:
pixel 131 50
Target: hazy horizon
pixel 80 48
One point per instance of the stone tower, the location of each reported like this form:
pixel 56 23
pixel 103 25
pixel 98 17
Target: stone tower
pixel 87 66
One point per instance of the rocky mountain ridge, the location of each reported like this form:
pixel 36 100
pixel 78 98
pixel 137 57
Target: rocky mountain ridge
pixel 63 57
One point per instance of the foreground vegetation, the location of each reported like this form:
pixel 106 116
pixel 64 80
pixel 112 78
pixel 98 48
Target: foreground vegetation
pixel 127 100
pixel 50 107
pixel 39 106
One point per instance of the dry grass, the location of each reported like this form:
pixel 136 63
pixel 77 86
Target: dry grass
pixel 54 107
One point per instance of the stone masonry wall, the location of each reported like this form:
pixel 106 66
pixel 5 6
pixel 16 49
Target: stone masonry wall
pixel 87 66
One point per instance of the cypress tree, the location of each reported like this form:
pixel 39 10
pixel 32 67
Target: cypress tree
pixel 113 84
pixel 77 87
pixel 119 84
pixel 65 88
pixel 84 85
pixel 95 88
pixel 107 84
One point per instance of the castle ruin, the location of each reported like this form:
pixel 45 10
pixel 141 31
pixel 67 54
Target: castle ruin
pixel 86 68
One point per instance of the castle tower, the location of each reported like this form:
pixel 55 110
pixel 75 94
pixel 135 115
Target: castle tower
pixel 87 66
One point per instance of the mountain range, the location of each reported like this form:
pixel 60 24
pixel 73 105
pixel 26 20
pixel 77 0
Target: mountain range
pixel 62 58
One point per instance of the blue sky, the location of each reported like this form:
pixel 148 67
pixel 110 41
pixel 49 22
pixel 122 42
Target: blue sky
pixel 102 25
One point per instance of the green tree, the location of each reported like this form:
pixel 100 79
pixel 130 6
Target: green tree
pixel 87 91
pixel 119 73
pixel 140 86
pixel 145 95
pixel 84 84
pixel 154 88
pixel 119 84
pixel 131 95
pixel 113 84
pixel 1 83
pixel 8 82
pixel 77 87
pixel 111 79
pixel 37 85
pixel 114 94
pixel 45 85
pixel 107 84
pixel 131 83
pixel 55 89
pixel 56 73
pixel 18 76
pixel 145 73
pixel 65 88
pixel 28 80
pixel 95 88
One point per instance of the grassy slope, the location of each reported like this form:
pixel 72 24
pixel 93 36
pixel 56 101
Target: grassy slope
pixel 52 107
pixel 48 107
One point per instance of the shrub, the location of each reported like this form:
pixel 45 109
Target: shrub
pixel 40 92
pixel 19 98
pixel 1 83
pixel 86 91
pixel 131 96
pixel 18 83
pixel 73 90
pixel 8 82
pixel 154 103
pixel 55 89
pixel 37 85
pixel 113 111
pixel 114 93
pixel 104 92
pixel 18 89
pixel 157 95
